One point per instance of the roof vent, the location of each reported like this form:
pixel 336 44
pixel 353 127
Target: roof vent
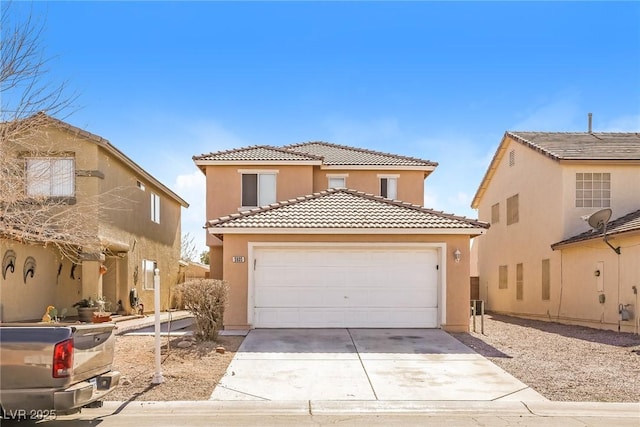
pixel 590 122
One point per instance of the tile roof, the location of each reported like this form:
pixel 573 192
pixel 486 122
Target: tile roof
pixel 573 146
pixel 624 224
pixel 582 145
pixel 341 155
pixel 257 153
pixel 345 209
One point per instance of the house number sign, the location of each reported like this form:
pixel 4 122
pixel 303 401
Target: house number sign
pixel 237 259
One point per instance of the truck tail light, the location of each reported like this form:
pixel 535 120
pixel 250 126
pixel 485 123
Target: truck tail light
pixel 63 359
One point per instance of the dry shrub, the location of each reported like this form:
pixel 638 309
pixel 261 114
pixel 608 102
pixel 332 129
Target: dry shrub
pixel 206 300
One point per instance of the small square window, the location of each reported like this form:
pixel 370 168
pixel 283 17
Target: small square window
pixel 337 182
pixel 593 190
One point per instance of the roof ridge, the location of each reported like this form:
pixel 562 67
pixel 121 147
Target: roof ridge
pixel 253 147
pixel 362 150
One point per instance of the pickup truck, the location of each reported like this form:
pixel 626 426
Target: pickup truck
pixel 53 369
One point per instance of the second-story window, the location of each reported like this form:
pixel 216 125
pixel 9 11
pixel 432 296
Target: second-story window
pixel 389 187
pixel 155 208
pixel 337 180
pixel 513 210
pixel 258 189
pixel 593 190
pixel 50 176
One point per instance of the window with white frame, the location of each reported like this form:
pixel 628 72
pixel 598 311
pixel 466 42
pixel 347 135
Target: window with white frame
pixel 155 208
pixel 50 176
pixel 389 187
pixel 148 272
pixel 593 190
pixel 337 181
pixel 258 189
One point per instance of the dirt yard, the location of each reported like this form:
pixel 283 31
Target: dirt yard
pixel 189 373
pixel 564 363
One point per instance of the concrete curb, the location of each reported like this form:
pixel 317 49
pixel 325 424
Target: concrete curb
pixel 302 407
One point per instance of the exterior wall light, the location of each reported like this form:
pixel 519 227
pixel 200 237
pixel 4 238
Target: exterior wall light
pixel 457 255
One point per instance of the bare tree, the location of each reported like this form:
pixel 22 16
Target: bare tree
pixel 29 100
pixel 188 250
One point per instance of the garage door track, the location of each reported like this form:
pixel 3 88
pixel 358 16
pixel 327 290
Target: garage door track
pixel 363 364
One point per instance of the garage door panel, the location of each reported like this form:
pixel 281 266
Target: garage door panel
pixel 345 287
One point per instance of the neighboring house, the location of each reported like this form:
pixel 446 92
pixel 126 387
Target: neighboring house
pixel 540 258
pixel 193 270
pixel 315 235
pixel 142 234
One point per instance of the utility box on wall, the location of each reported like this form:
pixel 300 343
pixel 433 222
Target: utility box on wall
pixel 599 275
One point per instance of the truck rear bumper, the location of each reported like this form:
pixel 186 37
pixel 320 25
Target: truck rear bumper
pixel 83 393
pixel 68 400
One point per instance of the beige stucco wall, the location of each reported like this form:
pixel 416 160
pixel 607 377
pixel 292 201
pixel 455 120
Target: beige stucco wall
pixel 625 194
pixel 582 288
pixel 134 237
pixel 123 223
pixel 410 183
pixel 50 285
pixel 546 190
pixel 535 179
pixel 224 185
pixel 457 274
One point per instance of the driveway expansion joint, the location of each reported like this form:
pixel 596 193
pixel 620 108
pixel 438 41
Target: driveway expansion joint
pixel 355 348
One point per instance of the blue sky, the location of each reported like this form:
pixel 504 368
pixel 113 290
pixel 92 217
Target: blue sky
pixel 164 81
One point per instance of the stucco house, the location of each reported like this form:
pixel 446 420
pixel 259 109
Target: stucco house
pixel 541 258
pixel 140 234
pixel 325 235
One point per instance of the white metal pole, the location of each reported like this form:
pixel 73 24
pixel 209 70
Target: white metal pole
pixel 157 377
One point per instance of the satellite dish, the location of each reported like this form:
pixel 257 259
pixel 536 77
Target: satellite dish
pixel 599 219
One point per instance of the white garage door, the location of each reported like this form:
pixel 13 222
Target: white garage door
pixel 345 287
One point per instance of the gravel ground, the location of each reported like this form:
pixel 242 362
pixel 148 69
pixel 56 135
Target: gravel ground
pixel 562 362
pixel 189 373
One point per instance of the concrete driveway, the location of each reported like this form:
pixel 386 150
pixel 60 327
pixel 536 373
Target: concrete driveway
pixel 363 364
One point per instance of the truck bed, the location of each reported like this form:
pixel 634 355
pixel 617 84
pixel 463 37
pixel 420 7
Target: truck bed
pixel 27 379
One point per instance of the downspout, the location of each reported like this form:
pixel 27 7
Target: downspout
pixel 561 283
